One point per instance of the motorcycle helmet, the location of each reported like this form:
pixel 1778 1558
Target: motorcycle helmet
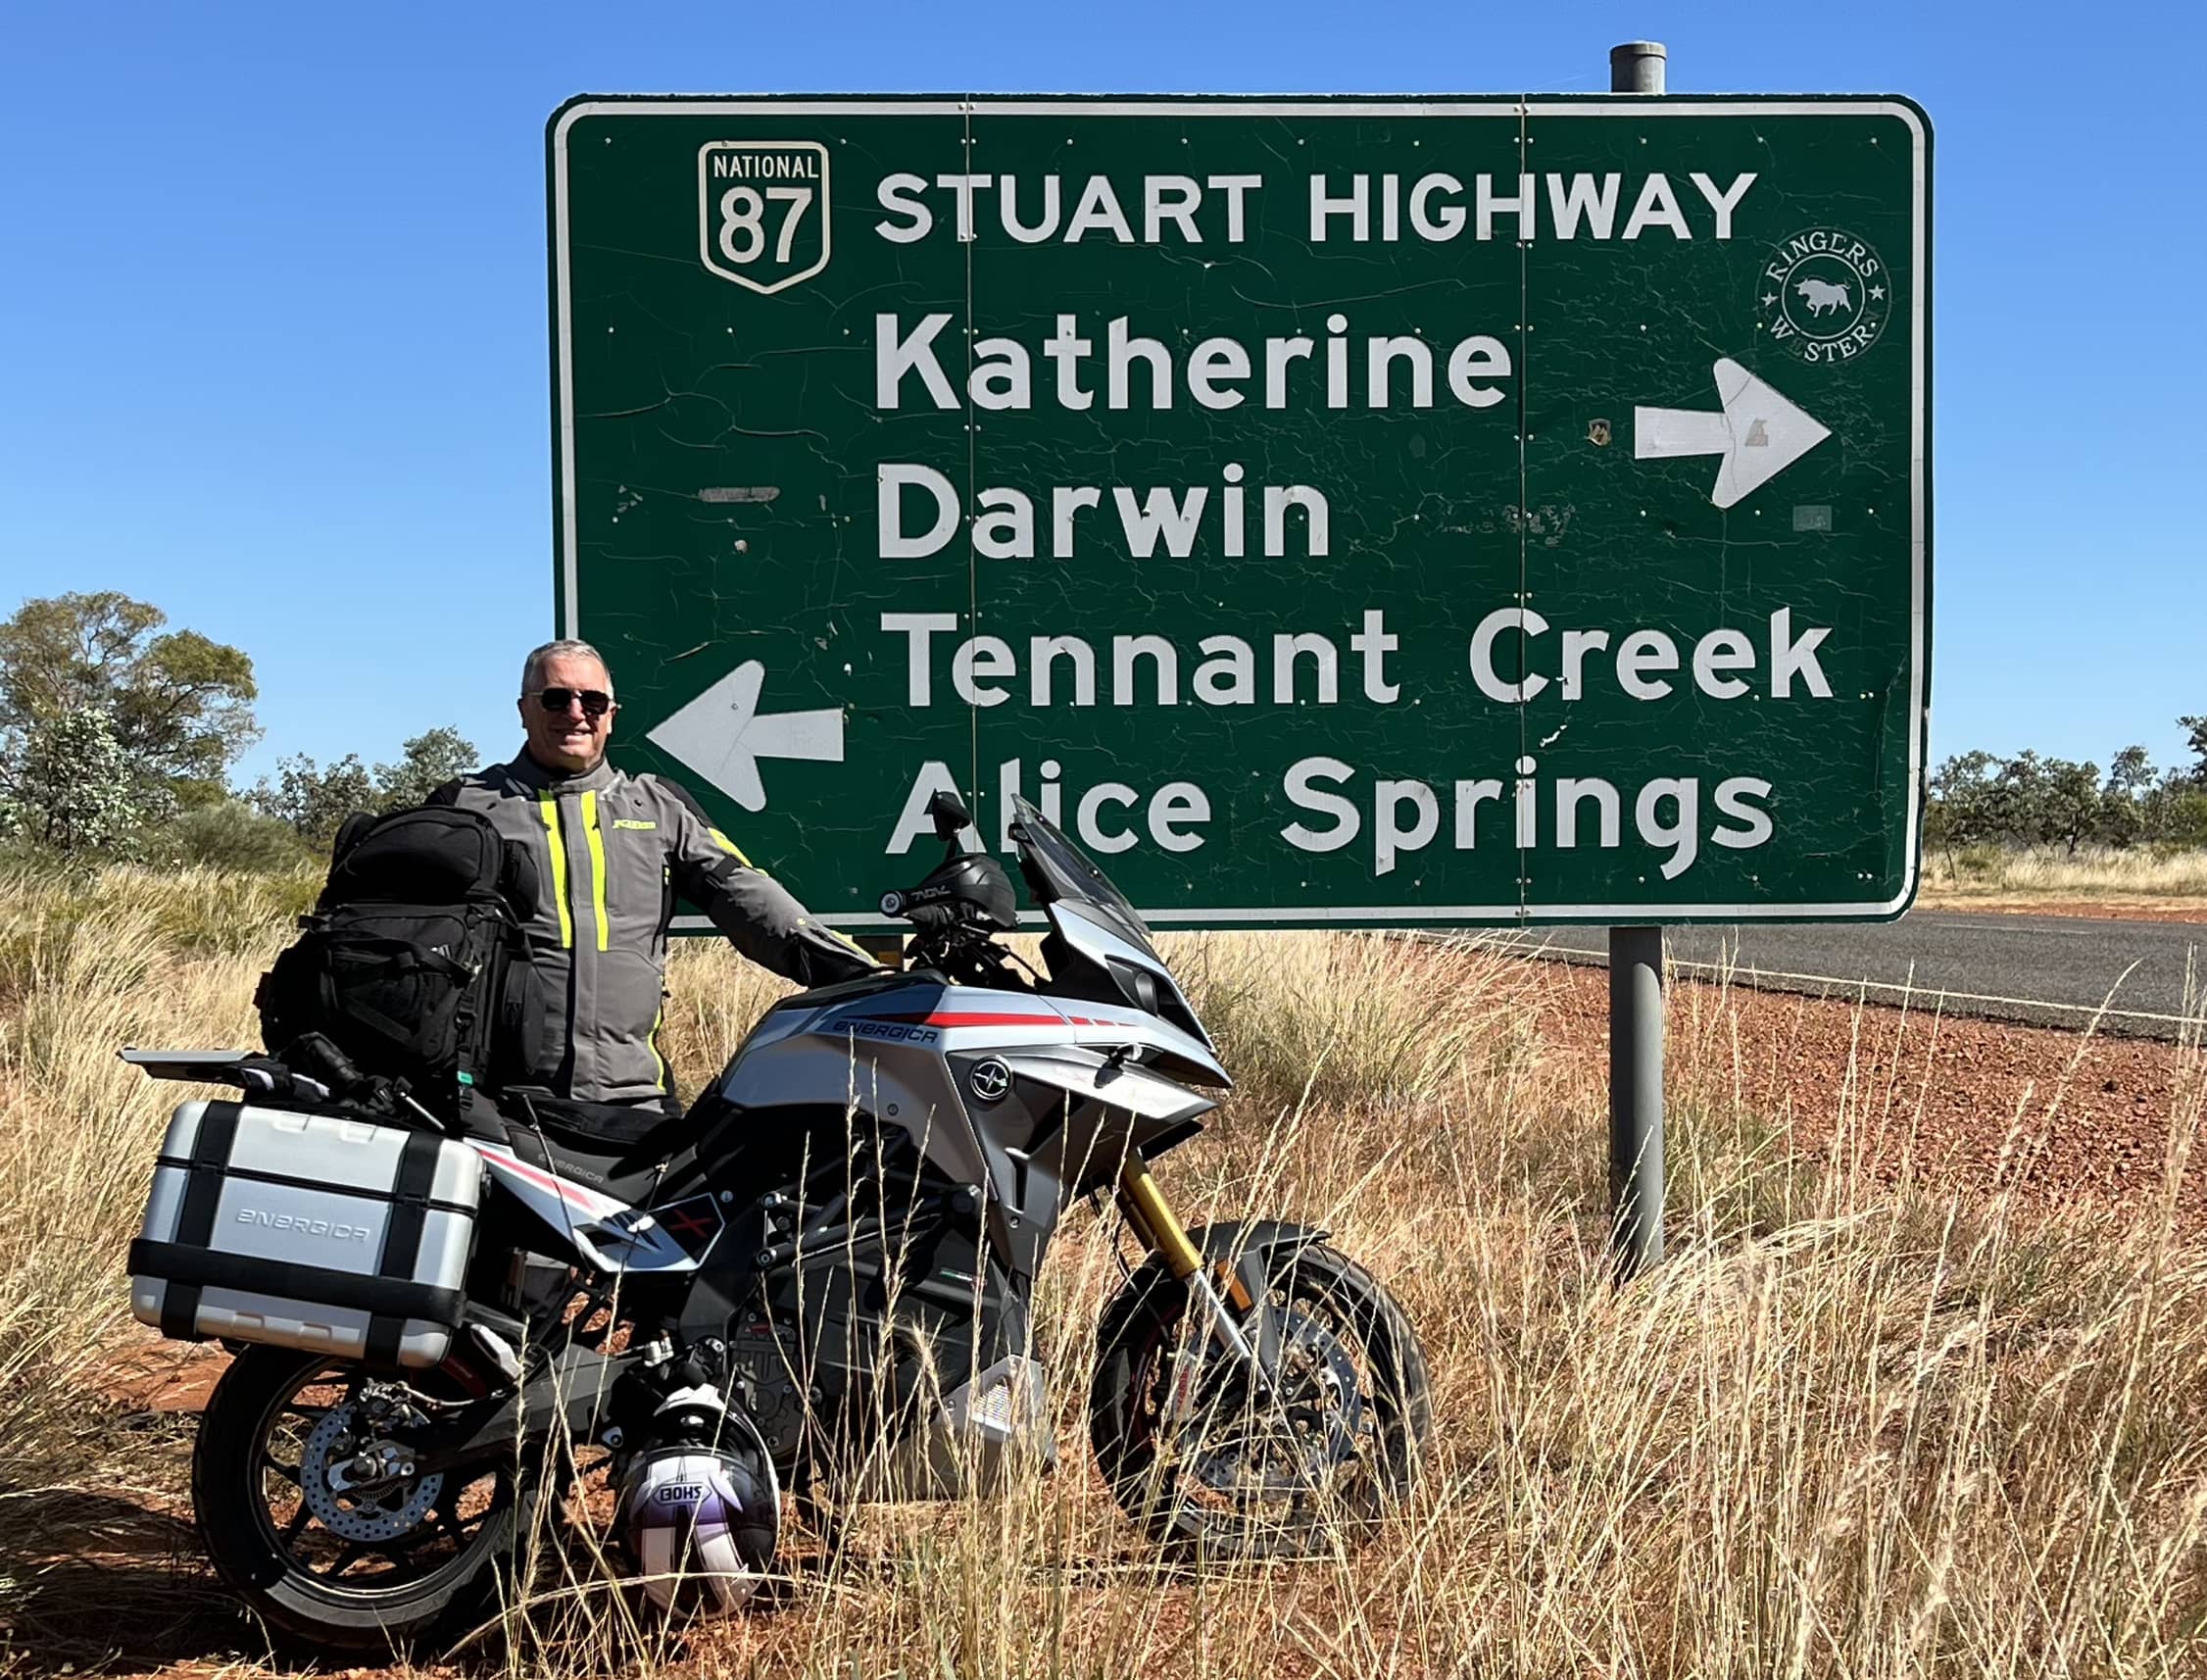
pixel 700 1523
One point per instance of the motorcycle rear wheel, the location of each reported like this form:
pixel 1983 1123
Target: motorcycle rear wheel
pixel 396 1570
pixel 1246 1476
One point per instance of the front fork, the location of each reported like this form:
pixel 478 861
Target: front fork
pixel 1225 1298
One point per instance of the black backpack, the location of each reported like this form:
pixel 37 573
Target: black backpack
pixel 413 962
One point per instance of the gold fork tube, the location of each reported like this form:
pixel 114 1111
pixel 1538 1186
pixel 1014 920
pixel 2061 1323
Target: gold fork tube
pixel 1144 1207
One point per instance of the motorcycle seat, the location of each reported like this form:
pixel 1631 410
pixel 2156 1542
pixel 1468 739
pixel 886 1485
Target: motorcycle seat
pixel 619 1174
pixel 636 1155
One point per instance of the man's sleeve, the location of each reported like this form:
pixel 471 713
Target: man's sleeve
pixel 760 915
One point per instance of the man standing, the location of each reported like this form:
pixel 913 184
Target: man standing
pixel 612 850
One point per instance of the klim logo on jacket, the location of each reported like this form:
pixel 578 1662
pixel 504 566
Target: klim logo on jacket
pixel 762 211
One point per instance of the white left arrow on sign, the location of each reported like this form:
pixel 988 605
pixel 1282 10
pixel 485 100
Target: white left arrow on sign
pixel 723 737
pixel 1759 434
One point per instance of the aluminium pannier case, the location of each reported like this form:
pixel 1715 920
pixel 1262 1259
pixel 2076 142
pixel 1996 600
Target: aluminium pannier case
pixel 307 1231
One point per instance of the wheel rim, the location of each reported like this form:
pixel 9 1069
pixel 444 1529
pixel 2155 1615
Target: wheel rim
pixel 375 1539
pixel 1271 1468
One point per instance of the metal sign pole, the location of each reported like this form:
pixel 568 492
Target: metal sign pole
pixel 1636 961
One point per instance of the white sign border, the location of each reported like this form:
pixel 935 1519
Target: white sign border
pixel 1501 107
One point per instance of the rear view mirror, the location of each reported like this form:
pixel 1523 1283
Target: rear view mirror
pixel 949 815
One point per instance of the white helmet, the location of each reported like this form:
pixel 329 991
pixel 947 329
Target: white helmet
pixel 702 1523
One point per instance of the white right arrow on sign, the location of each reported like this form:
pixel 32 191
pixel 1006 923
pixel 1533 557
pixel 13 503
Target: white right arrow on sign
pixel 1759 434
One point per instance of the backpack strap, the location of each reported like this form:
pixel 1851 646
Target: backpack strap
pixel 517 880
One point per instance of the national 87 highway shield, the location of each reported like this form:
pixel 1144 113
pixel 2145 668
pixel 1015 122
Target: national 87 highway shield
pixel 1331 511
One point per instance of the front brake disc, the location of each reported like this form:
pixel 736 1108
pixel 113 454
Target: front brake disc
pixel 1292 1443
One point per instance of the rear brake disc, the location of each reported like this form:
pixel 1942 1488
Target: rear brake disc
pixel 365 1512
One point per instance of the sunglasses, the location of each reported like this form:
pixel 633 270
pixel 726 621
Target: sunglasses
pixel 595 701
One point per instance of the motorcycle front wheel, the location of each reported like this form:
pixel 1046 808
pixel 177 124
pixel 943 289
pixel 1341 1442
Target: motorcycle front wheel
pixel 1213 1461
pixel 369 1565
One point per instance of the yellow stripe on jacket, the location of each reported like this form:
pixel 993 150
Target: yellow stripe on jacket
pixel 551 807
pixel 597 862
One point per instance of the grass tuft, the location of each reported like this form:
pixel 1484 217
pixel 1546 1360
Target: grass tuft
pixel 2049 872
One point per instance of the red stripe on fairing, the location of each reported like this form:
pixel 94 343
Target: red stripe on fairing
pixel 574 1194
pixel 955 1018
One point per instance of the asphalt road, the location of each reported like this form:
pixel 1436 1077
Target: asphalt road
pixel 2048 970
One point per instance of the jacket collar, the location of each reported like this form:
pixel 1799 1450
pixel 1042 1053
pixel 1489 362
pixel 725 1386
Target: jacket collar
pixel 532 774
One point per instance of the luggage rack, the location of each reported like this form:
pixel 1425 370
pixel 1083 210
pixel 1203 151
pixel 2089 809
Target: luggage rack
pixel 210 1067
pixel 266 1077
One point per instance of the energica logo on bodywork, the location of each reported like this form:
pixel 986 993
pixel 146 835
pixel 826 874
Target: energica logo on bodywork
pixel 989 1081
pixel 901 1033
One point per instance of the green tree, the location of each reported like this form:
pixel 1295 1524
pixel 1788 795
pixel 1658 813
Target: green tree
pixel 425 763
pixel 2071 807
pixel 315 801
pixel 2180 812
pixel 179 704
pixel 73 787
pixel 2195 729
pixel 2126 798
pixel 1962 804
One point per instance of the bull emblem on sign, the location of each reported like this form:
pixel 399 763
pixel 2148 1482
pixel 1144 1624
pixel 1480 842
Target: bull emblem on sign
pixel 1823 295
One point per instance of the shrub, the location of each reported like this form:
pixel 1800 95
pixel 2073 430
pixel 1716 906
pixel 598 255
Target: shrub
pixel 234 837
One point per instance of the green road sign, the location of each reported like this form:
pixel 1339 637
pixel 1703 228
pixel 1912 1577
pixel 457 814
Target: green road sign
pixel 1336 511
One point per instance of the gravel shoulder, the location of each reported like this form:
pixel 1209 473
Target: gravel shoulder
pixel 1977 1104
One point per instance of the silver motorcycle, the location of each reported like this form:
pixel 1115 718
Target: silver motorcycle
pixel 818 1282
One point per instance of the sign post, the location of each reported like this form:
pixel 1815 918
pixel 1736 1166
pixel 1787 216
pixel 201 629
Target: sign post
pixel 1335 512
pixel 1636 957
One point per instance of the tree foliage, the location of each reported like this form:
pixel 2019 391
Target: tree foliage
pixel 2195 729
pixel 1978 799
pixel 179 704
pixel 314 799
pixel 73 787
pixel 425 763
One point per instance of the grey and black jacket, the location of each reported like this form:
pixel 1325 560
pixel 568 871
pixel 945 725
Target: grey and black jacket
pixel 612 853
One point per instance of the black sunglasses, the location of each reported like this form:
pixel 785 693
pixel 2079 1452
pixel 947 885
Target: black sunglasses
pixel 596 702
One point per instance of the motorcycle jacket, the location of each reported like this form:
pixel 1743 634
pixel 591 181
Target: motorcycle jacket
pixel 613 851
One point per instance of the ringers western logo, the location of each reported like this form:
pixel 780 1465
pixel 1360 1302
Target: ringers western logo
pixel 762 211
pixel 1824 295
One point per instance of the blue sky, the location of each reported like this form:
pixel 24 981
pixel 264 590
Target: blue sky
pixel 273 339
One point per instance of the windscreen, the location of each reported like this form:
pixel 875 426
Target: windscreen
pixel 1055 869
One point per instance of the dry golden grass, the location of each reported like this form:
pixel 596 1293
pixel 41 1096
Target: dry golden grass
pixel 1848 1429
pixel 1998 874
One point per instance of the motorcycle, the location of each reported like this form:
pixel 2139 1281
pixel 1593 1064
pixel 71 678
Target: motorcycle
pixel 818 1282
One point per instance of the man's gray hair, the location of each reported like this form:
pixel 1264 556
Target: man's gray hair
pixel 532 668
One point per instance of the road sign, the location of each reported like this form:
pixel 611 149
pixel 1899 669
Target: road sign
pixel 1337 511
